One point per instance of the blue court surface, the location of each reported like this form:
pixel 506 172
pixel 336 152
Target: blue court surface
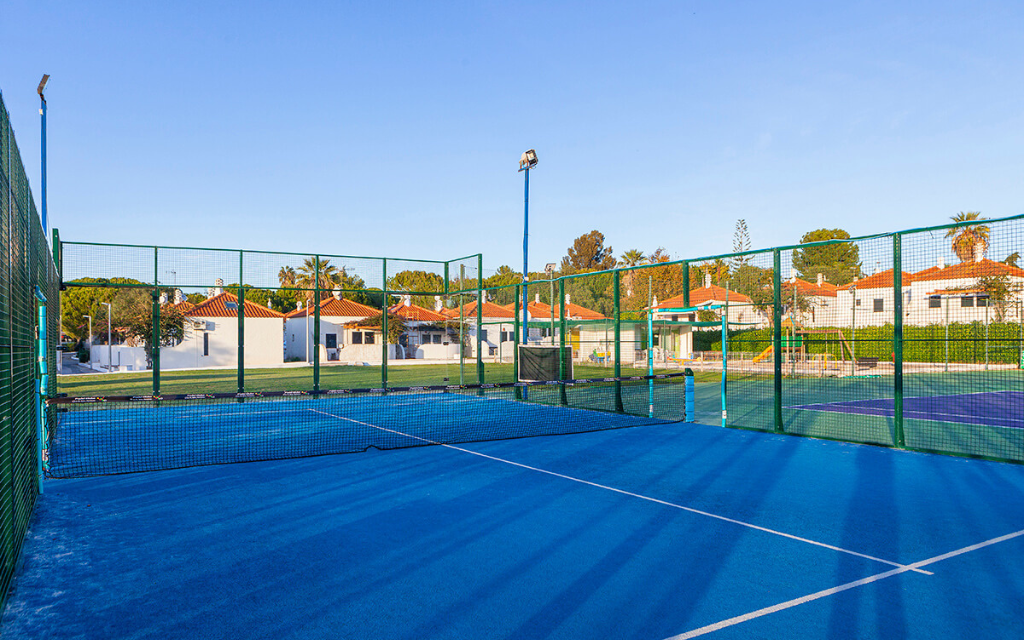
pixel 990 408
pixel 659 531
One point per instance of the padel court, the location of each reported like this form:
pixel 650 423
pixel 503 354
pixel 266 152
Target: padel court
pixel 657 531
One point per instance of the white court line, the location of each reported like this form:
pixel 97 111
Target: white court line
pixel 641 497
pixel 834 590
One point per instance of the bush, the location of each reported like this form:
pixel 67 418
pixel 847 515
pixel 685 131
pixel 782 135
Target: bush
pixel 83 355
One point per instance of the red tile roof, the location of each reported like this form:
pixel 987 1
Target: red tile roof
pixel 490 310
pixel 826 289
pixel 216 307
pixel 703 295
pixel 416 312
pixel 880 280
pixel 573 311
pixel 964 270
pixel 332 307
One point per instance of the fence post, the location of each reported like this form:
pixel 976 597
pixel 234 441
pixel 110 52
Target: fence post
pixel 241 324
pixel 561 340
pixel 156 322
pixel 897 339
pixel 316 325
pixel 777 336
pixel 618 344
pixel 515 344
pixel 480 318
pixel 384 325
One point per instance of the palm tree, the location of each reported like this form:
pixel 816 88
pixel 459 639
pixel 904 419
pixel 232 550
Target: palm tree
pixel 312 270
pixel 970 242
pixel 286 276
pixel 631 258
pixel 1012 259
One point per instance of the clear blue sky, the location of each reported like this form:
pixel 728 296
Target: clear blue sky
pixel 395 129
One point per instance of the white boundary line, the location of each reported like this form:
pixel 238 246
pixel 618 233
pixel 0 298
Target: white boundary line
pixel 789 604
pixel 748 525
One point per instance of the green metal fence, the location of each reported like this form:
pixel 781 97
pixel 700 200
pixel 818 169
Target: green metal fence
pixel 911 339
pixel 25 263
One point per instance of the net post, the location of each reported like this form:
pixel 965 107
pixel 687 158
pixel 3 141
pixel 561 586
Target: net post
pixel 618 343
pixel 462 318
pixel 480 321
pixel 515 345
pixel 155 349
pixel 561 341
pixel 241 324
pixel 777 337
pixel 384 324
pixel 897 339
pixel 316 324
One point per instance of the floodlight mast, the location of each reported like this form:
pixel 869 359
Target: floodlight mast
pixel 526 162
pixel 42 113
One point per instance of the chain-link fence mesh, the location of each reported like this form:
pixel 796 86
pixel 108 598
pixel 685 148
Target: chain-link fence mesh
pixel 25 264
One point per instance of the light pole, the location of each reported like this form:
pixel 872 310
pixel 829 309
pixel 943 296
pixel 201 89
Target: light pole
pixel 110 357
pixel 42 112
pixel 527 161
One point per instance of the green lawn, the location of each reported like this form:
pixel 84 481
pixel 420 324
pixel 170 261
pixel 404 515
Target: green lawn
pixel 301 378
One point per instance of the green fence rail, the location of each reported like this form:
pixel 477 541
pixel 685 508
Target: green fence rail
pixel 25 263
pixel 912 339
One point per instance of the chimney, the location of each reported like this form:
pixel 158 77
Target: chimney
pixel 792 275
pixel 438 305
pixel 219 286
pixel 298 305
pixel 407 300
pixel 163 298
pixel 178 297
pixel 536 298
pixel 980 248
pixel 707 280
pixel 942 262
pixel 821 279
pixel 269 306
pixel 655 301
pixel 567 299
pixel 209 292
pixel 337 294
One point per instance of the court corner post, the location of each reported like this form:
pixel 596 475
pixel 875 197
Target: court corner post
pixel 383 326
pixel 897 340
pixel 619 344
pixel 777 338
pixel 241 324
pixel 155 348
pixel 516 327
pixel 480 299
pixel 561 342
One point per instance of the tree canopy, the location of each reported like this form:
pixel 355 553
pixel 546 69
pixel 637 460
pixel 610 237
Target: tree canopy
pixel 839 262
pixel 588 253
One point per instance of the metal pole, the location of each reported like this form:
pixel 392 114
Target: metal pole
pixel 480 299
pixel 618 345
pixel 42 114
pixel 946 327
pixel 561 341
pixel 384 326
pixel 897 338
pixel 462 318
pixel 725 352
pixel 526 245
pixel 515 347
pixel 241 325
pixel 650 343
pixel 986 332
pixel 316 326
pixel 110 357
pixel 853 330
pixel 777 336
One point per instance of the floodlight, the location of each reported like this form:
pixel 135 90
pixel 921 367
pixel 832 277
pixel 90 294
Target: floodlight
pixel 549 268
pixel 528 160
pixel 42 85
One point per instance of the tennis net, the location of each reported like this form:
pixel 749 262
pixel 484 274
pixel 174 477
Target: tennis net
pixel 122 434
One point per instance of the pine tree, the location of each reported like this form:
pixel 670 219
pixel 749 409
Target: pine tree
pixel 740 243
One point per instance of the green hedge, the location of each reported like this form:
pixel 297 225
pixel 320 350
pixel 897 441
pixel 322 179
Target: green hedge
pixel 967 342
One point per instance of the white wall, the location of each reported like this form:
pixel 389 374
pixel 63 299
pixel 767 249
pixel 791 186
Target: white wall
pixel 124 358
pixel 263 345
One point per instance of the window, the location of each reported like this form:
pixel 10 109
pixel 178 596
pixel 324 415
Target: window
pixel 967 301
pixel 858 302
pixel 331 341
pixel 675 317
pixel 493 351
pixel 368 339
pixel 506 336
pixel 436 338
pixel 357 337
pixel 982 300
pixel 483 335
pixel 935 302
pixel 879 305
pixel 231 306
pixel 206 344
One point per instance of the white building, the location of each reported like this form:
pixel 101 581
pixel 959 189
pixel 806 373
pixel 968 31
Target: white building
pixel 425 336
pixel 338 341
pixel 496 334
pixel 211 336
